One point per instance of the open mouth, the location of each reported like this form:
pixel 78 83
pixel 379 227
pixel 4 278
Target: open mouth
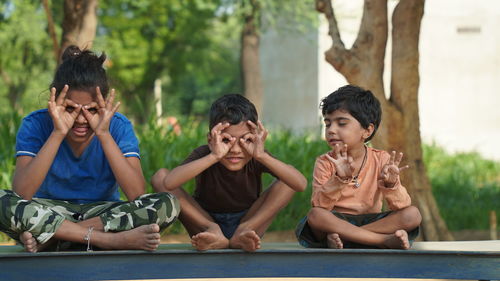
pixel 80 131
pixel 334 142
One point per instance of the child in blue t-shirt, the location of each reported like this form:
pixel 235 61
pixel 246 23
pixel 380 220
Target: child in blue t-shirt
pixel 70 160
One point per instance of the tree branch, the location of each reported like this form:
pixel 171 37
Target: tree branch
pixel 337 55
pixel 371 42
pixel 51 28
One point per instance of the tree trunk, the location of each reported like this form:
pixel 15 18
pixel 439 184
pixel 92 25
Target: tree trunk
pixel 79 24
pixel 250 65
pixel 51 28
pixel 363 65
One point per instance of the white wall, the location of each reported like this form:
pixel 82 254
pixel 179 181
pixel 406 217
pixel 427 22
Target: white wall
pixel 459 72
pixel 459 97
pixel 289 75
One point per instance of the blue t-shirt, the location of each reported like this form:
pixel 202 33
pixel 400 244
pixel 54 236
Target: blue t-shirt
pixel 83 179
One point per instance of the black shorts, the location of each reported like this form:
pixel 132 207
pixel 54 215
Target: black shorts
pixel 307 239
pixel 228 222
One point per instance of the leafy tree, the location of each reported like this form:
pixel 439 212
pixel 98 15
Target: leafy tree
pixel 25 65
pixel 183 43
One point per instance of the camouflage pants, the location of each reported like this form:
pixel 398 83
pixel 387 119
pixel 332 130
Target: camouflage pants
pixel 42 217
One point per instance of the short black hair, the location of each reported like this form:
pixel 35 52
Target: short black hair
pixel 232 108
pixel 81 70
pixel 360 103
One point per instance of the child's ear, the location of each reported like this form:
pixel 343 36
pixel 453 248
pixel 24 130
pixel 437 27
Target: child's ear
pixel 209 137
pixel 368 131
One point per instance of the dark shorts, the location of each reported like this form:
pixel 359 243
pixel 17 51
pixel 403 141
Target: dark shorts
pixel 228 222
pixel 307 239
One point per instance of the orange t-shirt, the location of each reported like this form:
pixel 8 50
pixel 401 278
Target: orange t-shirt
pixel 331 193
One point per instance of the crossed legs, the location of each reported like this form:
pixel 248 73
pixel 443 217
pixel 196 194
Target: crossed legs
pixel 120 225
pixel 145 237
pixel 388 232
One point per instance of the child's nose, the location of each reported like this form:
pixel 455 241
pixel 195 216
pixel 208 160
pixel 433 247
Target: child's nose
pixel 236 148
pixel 80 118
pixel 330 130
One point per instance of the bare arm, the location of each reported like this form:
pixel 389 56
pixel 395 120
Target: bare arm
pixel 218 148
pixel 184 173
pixel 254 145
pixel 285 173
pixel 127 170
pixel 31 171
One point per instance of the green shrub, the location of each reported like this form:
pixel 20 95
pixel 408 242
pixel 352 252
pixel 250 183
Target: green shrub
pixel 466 187
pixel 10 122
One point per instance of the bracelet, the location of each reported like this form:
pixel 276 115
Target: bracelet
pixel 87 238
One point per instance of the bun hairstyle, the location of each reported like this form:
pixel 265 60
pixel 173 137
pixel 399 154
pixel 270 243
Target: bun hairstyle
pixel 81 70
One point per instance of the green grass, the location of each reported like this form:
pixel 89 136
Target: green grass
pixel 465 185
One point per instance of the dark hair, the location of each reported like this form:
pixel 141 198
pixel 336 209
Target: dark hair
pixel 81 70
pixel 360 103
pixel 232 108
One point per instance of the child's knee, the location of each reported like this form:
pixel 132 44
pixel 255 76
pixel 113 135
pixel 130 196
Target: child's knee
pixel 315 217
pixel 171 201
pixel 157 179
pixel 411 217
pixel 169 210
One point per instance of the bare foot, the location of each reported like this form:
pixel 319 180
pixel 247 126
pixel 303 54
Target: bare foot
pixel 247 240
pixel 398 240
pixel 145 237
pixel 333 241
pixel 208 240
pixel 29 242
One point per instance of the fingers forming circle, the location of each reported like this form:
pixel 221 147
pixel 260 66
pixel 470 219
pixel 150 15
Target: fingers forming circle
pixel 100 99
pixel 62 95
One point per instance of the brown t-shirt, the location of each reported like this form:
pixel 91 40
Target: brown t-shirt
pixel 220 190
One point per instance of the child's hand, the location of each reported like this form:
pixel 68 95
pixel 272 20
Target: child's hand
pixel 62 111
pixel 343 162
pixel 220 143
pixel 390 172
pixel 99 116
pixel 253 143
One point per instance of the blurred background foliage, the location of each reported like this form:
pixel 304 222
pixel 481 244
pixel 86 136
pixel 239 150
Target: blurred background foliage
pixel 466 186
pixel 193 48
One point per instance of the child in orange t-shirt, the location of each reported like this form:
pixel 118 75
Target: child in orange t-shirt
pixel 351 181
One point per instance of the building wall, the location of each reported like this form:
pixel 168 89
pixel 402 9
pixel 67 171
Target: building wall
pixel 290 79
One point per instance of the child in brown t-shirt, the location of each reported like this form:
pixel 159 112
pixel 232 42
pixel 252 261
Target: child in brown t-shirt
pixel 228 209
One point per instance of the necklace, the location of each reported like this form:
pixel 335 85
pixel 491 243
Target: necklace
pixel 355 178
